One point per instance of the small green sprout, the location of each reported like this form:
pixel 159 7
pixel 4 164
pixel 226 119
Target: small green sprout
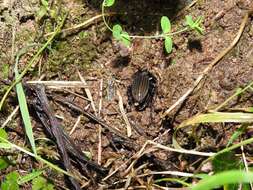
pixel 108 3
pixel 194 25
pixel 122 36
pixel 166 28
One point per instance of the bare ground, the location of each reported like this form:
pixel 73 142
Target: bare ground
pixel 99 56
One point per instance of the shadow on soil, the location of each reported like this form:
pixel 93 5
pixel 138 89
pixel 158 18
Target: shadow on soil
pixel 139 16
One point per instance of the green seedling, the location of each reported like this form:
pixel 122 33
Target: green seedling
pixel 44 10
pixel 40 183
pixel 13 181
pixel 166 34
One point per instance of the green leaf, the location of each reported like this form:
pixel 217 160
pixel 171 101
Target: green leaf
pixel 225 161
pixel 165 24
pixel 216 117
pixel 24 110
pixel 10 182
pixel 44 3
pixel 83 34
pixel 41 183
pixel 250 109
pixel 41 13
pixel 108 3
pixel 238 91
pixel 168 44
pixel 3 134
pixel 195 25
pixel 29 177
pixel 116 31
pixel 5 146
pixel 189 21
pixel 125 38
pixel 238 132
pixel 5 70
pixel 4 163
pixel 224 178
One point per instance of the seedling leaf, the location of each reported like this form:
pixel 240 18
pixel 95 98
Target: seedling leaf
pixel 109 3
pixel 168 44
pixel 5 146
pixel 165 24
pixel 125 38
pixel 3 134
pixel 189 21
pixel 225 161
pixel 10 182
pixel 195 25
pixel 4 163
pixel 29 177
pixel 44 3
pixel 41 183
pixel 116 31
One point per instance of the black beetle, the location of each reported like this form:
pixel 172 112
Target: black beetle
pixel 142 90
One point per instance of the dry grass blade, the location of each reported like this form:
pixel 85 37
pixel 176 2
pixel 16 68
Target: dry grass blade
pixel 82 25
pixel 75 125
pixel 87 91
pixel 176 173
pixel 9 118
pixel 246 164
pixel 122 110
pixel 60 84
pixel 193 152
pixel 217 117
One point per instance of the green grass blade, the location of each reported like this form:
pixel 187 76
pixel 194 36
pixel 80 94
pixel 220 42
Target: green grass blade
pixel 29 176
pixel 215 117
pixel 220 117
pixel 24 109
pixel 224 178
pixel 25 115
pixel 236 135
pixel 51 165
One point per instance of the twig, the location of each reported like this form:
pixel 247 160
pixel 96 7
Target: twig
pixel 99 127
pixel 176 173
pixel 94 118
pixel 75 125
pixel 211 65
pixel 99 145
pixel 82 25
pixel 134 157
pixel 126 162
pixel 87 90
pixel 60 84
pixel 193 152
pixel 245 164
pixel 121 107
pixel 9 118
pixel 101 97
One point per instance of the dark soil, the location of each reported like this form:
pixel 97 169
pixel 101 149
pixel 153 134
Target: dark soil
pixel 100 57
